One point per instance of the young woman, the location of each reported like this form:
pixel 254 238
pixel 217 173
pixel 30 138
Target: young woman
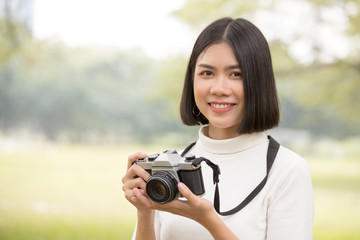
pixel 230 90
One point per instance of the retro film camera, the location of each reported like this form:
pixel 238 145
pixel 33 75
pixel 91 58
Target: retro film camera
pixel 166 170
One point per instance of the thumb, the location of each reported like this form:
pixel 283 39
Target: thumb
pixel 186 192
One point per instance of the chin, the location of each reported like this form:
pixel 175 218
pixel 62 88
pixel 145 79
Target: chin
pixel 224 125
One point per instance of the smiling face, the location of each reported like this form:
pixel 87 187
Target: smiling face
pixel 219 90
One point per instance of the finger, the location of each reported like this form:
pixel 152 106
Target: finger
pixel 178 206
pixel 140 172
pixel 186 192
pixel 131 197
pixel 136 171
pixel 142 198
pixel 135 156
pixel 134 183
pixel 129 193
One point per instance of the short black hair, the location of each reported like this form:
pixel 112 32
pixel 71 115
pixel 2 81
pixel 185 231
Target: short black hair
pixel 261 108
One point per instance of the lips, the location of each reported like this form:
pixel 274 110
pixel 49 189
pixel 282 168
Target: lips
pixel 221 107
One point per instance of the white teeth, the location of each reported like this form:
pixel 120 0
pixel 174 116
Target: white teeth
pixel 220 105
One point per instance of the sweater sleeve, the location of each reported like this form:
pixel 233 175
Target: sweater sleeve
pixel 134 233
pixel 291 209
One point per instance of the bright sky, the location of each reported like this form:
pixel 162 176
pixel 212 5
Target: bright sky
pixel 149 25
pixel 126 24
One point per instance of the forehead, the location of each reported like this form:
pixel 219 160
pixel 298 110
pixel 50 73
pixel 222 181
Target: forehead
pixel 217 53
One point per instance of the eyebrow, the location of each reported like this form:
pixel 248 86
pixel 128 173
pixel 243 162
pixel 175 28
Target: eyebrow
pixel 204 65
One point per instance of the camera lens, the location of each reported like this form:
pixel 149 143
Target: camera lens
pixel 161 187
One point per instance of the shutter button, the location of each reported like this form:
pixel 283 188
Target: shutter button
pixel 152 157
pixel 189 157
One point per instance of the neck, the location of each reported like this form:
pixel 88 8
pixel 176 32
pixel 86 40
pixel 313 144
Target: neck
pixel 220 133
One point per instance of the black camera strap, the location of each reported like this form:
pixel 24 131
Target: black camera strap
pixel 270 157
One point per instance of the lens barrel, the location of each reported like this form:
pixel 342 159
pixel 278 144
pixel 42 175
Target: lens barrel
pixel 162 187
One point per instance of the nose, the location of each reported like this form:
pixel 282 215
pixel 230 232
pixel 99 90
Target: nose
pixel 220 86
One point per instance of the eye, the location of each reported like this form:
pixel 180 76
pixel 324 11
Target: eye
pixel 236 74
pixel 206 74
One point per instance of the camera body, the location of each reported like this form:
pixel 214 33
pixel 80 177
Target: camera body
pixel 167 170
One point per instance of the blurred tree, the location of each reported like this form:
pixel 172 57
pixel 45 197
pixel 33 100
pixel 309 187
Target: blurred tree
pixel 15 37
pixel 14 30
pixel 84 94
pixel 170 83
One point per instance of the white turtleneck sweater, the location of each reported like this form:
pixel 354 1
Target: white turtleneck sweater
pixel 283 209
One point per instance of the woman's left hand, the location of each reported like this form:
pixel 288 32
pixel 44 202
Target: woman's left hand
pixel 194 207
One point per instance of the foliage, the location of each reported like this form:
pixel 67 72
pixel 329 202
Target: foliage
pixel 80 94
pixel 111 95
pixel 170 83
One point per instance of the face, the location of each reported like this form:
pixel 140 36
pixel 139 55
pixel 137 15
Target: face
pixel 219 90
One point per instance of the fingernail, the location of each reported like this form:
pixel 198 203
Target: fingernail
pixel 181 186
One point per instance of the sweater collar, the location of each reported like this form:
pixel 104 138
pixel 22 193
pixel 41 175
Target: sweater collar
pixel 231 145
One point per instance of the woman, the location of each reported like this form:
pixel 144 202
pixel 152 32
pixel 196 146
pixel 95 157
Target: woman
pixel 230 89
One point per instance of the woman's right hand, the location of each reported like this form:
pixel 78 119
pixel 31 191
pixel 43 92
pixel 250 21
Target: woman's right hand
pixel 135 178
pixel 134 184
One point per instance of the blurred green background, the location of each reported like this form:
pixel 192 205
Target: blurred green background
pixel 70 114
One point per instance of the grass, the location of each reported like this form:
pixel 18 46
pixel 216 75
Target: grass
pixel 337 193
pixel 68 192
pixel 60 227
pixel 64 192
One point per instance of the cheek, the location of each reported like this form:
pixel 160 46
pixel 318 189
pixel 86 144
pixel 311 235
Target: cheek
pixel 199 91
pixel 239 91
